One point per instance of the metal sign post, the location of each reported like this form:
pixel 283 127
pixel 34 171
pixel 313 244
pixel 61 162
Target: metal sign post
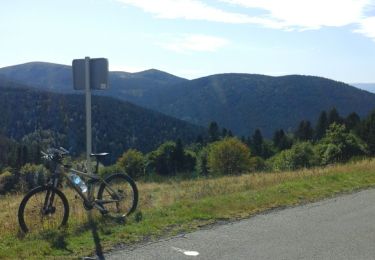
pixel 88 115
pixel 89 74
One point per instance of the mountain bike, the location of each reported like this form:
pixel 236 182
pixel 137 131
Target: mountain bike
pixel 46 207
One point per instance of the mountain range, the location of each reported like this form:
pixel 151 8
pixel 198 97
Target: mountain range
pixel 239 102
pixel 116 125
pixel 370 87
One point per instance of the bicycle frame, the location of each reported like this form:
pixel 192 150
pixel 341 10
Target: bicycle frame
pixel 88 199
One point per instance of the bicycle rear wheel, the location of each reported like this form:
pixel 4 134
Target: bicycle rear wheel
pixel 118 195
pixel 43 208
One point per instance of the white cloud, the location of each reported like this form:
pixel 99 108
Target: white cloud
pixel 309 14
pixel 287 15
pixel 367 27
pixel 194 42
pixel 194 10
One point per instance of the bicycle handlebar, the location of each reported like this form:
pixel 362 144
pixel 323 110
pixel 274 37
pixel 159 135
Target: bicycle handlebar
pixel 54 153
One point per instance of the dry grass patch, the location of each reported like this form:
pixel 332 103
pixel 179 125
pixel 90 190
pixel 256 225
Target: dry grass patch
pixel 154 195
pixel 174 206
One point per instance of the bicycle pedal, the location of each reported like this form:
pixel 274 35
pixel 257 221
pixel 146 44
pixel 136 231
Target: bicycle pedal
pixel 100 207
pixel 104 212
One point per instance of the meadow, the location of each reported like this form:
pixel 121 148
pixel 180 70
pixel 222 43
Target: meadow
pixel 175 206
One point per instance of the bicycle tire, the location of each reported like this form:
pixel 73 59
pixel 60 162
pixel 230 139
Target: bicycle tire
pixel 125 182
pixel 40 195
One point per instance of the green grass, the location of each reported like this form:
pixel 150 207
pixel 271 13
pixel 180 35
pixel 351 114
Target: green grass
pixel 169 208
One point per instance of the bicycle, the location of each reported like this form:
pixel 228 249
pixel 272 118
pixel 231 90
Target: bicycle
pixel 47 207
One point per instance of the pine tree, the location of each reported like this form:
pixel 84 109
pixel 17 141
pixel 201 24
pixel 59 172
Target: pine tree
pixel 321 126
pixel 224 133
pixel 352 121
pixel 24 155
pixel 304 132
pixel 213 132
pixel 334 117
pixel 249 142
pixel 257 143
pixel 178 155
pixel 277 137
pixel 281 140
pixel 367 132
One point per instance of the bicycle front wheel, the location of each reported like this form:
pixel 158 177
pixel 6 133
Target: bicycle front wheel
pixel 118 194
pixel 43 208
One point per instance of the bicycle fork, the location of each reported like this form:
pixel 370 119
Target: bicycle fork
pixel 48 207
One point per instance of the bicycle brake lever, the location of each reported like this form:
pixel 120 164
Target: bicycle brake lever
pixel 64 150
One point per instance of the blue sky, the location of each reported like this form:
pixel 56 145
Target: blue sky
pixel 194 38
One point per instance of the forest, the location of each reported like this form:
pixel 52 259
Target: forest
pixel 216 152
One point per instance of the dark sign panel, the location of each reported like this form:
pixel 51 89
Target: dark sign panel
pixel 98 74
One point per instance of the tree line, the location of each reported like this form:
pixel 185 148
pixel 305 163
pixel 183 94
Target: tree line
pixel 333 139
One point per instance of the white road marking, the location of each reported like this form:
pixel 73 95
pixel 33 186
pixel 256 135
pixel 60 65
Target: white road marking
pixel 186 252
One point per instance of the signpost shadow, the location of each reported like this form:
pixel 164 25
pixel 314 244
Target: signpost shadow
pixel 96 237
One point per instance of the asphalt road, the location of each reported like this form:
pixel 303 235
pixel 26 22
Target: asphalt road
pixel 338 228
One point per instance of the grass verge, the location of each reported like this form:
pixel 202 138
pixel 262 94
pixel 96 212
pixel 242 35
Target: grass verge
pixel 169 208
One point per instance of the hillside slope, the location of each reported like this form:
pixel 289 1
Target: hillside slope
pixel 244 102
pixel 117 125
pixel 240 102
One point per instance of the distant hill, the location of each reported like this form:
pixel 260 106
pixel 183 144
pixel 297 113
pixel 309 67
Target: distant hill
pixel 244 102
pixel 41 75
pixel 57 77
pixel 138 88
pixel 370 87
pixel 240 102
pixel 117 125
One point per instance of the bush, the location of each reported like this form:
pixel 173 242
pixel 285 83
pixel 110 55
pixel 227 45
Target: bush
pixel 339 145
pixel 257 164
pixel 32 175
pixel 109 170
pixel 7 181
pixel 301 155
pixel 161 160
pixel 228 156
pixel 189 161
pixel 170 158
pixel 201 167
pixel 133 162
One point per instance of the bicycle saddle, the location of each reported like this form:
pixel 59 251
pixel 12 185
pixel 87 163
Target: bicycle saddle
pixel 98 155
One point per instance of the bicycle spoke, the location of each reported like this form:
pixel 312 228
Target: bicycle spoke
pixel 40 218
pixel 37 214
pixel 118 195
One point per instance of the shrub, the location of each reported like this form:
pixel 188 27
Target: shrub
pixel 32 175
pixel 228 156
pixel 301 155
pixel 170 158
pixel 161 160
pixel 257 164
pixel 7 181
pixel 109 170
pixel 133 162
pixel 339 145
pixel 201 167
pixel 189 161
